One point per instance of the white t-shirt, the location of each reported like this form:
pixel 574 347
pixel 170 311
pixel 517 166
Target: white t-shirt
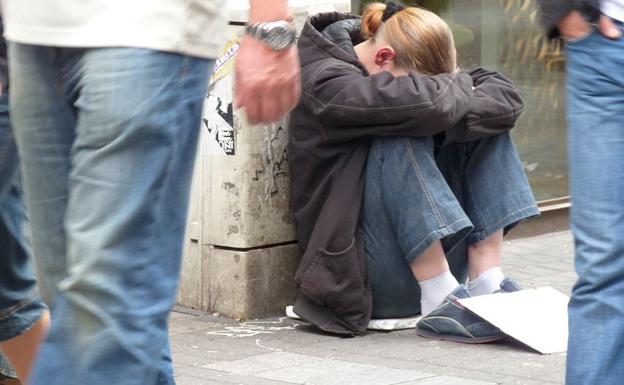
pixel 613 9
pixel 191 27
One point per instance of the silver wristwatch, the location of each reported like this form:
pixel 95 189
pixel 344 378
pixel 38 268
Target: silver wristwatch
pixel 277 35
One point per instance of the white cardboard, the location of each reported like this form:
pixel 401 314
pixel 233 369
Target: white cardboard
pixel 389 324
pixel 385 324
pixel 535 317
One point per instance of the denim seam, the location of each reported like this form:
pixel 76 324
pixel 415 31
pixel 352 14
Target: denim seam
pixel 28 326
pixel 7 312
pixel 485 232
pixel 421 179
pixel 130 348
pixel 182 74
pixel 433 236
pixel 475 211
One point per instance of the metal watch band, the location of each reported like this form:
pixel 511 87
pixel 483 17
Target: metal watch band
pixel 277 35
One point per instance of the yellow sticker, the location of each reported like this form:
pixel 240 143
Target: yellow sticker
pixel 223 65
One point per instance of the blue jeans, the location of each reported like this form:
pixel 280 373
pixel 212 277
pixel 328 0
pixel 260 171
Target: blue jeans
pixel 416 195
pixel 107 139
pixel 596 151
pixel 20 306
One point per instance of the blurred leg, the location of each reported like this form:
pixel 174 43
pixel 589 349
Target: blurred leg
pixel 135 136
pixel 596 151
pixel 23 317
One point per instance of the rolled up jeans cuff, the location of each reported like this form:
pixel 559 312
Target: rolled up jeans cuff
pixel 25 316
pixel 505 223
pixel 450 235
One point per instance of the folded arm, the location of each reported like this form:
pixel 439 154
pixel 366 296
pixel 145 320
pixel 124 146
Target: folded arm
pixel 351 105
pixel 496 105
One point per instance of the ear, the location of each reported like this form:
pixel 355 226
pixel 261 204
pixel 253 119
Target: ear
pixel 384 56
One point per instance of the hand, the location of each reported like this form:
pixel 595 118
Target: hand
pixel 268 83
pixel 574 26
pixel 608 28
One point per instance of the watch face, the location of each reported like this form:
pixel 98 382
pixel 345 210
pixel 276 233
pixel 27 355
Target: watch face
pixel 278 37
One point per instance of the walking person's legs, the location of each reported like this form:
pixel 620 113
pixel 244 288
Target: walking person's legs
pixel 23 316
pixel 116 142
pixel 596 152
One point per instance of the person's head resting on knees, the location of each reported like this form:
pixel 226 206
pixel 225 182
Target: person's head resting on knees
pixel 400 40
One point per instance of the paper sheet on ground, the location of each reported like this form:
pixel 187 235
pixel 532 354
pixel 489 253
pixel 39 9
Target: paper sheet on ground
pixel 386 324
pixel 535 317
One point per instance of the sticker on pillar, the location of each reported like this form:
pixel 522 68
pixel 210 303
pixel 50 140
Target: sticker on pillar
pixel 218 118
pixel 225 63
pixel 219 122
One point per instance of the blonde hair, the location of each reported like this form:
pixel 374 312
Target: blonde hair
pixel 422 41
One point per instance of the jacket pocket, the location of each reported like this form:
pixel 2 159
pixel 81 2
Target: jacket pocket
pixel 335 280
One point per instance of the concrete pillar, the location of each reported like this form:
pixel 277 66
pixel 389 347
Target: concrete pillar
pixel 240 251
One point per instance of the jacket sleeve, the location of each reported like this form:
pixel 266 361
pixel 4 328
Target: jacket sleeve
pixel 350 105
pixel 496 105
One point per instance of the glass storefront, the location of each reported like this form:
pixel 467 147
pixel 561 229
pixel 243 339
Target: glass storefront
pixel 505 35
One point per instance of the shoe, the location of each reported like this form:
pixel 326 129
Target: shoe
pixel 453 322
pixel 5 380
pixel 508 285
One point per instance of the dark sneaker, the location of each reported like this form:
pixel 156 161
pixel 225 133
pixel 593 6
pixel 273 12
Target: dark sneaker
pixel 453 322
pixel 508 285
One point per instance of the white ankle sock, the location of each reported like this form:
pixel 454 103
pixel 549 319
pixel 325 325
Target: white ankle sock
pixel 487 282
pixel 435 290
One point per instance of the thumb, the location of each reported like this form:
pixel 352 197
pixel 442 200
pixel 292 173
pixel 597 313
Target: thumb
pixel 608 28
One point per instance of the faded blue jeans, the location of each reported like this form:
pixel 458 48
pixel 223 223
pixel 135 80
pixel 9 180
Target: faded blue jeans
pixel 596 150
pixel 20 306
pixel 415 195
pixel 107 139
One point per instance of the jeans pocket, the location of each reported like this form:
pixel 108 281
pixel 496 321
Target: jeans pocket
pixel 336 280
pixel 579 39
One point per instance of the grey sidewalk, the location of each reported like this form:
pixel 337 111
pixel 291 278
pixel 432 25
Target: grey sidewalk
pixel 278 351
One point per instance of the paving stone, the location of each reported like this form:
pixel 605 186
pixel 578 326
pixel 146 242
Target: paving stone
pixel 404 345
pixel 446 380
pixel 395 363
pixel 510 363
pixel 261 363
pixel 204 376
pixel 277 351
pixel 338 372
pixel 190 380
pixel 524 381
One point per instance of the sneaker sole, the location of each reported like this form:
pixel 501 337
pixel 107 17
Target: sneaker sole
pixel 463 340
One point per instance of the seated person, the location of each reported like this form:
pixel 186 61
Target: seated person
pixel 396 158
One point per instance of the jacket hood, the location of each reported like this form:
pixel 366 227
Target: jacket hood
pixel 330 34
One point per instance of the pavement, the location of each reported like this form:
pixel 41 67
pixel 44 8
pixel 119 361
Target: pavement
pixel 211 350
